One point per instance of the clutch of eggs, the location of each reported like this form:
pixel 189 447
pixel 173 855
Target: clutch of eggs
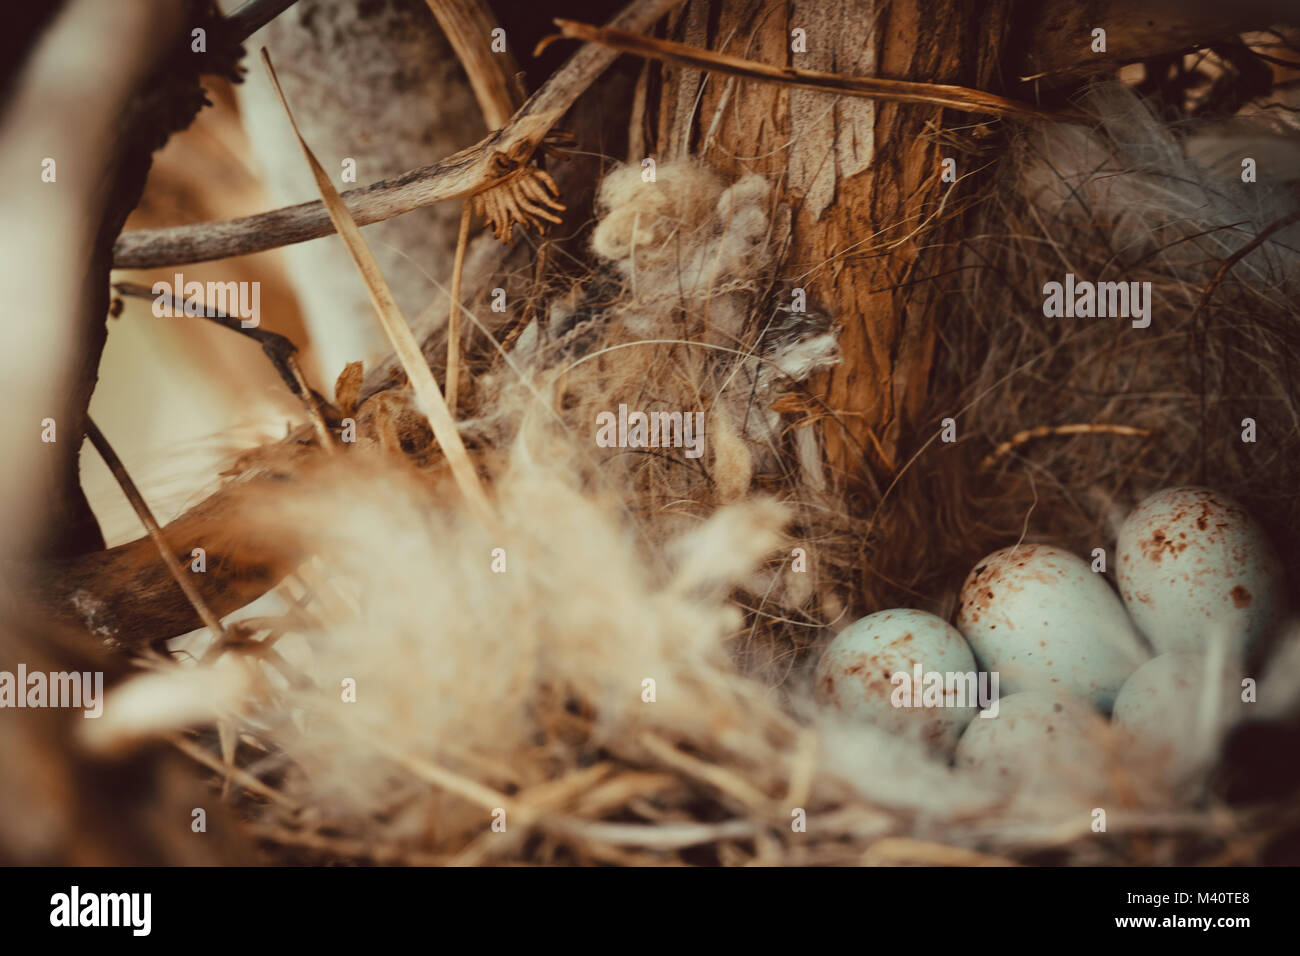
pixel 1192 567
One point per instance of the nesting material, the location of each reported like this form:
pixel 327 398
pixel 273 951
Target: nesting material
pixel 683 235
pixel 678 320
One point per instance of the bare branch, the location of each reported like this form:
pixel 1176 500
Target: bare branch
pixel 871 87
pixel 125 597
pixel 483 165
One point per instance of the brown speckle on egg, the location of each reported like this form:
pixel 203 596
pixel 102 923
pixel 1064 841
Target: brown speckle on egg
pixel 1191 562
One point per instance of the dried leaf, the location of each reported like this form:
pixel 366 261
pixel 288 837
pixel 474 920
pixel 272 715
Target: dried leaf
pixel 348 387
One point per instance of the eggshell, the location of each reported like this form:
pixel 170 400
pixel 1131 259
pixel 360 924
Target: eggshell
pixel 855 674
pixel 1041 744
pixel 1191 563
pixel 1045 621
pixel 1168 721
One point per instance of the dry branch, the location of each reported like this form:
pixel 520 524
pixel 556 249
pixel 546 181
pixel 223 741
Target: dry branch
pixel 279 349
pixel 471 170
pixel 124 596
pixel 901 91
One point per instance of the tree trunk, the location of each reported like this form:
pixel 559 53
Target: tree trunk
pixel 863 177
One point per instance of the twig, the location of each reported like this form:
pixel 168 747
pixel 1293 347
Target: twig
pixel 523 196
pixel 423 769
pixel 155 533
pixel 712 774
pixel 903 91
pixel 1043 431
pixel 136 600
pixel 532 807
pixel 453 320
pixel 347 848
pixel 279 349
pixel 1240 254
pixel 459 175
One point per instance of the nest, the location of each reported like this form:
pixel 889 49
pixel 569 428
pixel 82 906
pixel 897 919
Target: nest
pixel 617 669
pixel 570 614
